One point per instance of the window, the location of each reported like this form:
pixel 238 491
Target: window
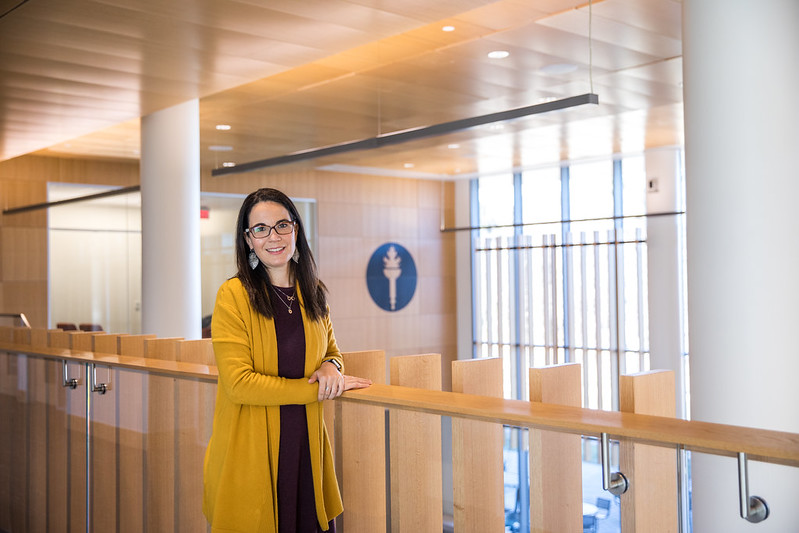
pixel 563 280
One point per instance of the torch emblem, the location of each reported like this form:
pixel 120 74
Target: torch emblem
pixel 391 277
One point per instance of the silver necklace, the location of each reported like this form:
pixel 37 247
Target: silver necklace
pixel 290 299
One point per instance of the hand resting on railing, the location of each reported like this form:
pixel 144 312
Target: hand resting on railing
pixel 332 384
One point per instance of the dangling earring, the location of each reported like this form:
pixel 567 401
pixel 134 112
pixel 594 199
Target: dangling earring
pixel 253 259
pixel 296 256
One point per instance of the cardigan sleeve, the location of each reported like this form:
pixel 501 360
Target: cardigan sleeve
pixel 239 380
pixel 332 351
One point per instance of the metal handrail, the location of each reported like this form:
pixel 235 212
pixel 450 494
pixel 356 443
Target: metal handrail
pixel 22 318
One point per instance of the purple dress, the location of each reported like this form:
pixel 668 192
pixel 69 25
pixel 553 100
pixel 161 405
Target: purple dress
pixel 295 493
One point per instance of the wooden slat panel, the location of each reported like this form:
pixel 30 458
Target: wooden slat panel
pixel 40 336
pixel 76 426
pixel 58 435
pixel 7 372
pixel 416 499
pixel 7 365
pixel 81 340
pixel 362 440
pixel 556 483
pixel 159 440
pixel 129 391
pixel 13 456
pixel 37 444
pixel 56 448
pixel 650 504
pixel 106 343
pixel 133 345
pixel 194 412
pixel 104 430
pixel 59 339
pixel 22 335
pixel 477 463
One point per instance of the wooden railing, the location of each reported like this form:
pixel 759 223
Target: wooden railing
pixel 129 458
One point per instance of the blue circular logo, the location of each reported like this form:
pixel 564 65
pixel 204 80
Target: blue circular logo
pixel 391 277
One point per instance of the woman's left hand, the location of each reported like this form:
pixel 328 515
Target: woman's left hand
pixel 331 382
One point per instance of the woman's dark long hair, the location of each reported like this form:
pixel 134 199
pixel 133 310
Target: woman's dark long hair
pixel 257 281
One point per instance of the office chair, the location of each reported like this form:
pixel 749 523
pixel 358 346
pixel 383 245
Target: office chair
pixel 589 523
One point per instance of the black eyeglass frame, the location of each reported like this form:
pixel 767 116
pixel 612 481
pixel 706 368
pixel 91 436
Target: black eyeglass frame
pixel 292 225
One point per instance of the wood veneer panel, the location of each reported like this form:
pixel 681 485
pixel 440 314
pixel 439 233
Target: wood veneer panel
pixel 82 340
pixel 6 408
pixel 133 345
pixel 37 445
pixel 556 483
pixel 76 408
pixel 58 434
pixel 194 411
pixel 56 447
pixel 22 335
pixel 361 437
pixel 415 449
pixel 104 439
pixel 160 440
pixel 477 463
pixel 39 336
pixel 106 343
pixel 13 456
pixel 129 387
pixel 650 504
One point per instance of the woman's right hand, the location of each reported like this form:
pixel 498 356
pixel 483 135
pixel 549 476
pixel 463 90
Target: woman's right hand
pixel 354 382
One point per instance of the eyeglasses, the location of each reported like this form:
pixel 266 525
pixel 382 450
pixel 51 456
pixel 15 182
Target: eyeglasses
pixel 262 231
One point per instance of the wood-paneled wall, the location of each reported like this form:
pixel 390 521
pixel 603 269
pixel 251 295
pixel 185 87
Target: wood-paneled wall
pixel 23 236
pixel 356 214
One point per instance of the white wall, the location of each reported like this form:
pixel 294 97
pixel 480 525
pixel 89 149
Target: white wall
pixel 94 250
pixel 95 264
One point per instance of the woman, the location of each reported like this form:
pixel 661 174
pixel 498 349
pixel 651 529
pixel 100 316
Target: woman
pixel 268 466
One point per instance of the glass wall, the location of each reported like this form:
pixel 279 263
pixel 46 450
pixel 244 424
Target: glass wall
pixel 94 260
pixel 94 254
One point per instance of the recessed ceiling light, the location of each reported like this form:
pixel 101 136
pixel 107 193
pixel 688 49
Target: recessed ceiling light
pixel 220 148
pixel 228 164
pixel 408 165
pixel 223 127
pixel 498 54
pixel 448 28
pixel 453 146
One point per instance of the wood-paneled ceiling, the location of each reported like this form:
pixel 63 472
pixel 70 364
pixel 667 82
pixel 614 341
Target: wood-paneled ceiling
pixel 294 75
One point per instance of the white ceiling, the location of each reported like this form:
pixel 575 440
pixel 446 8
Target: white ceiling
pixel 290 75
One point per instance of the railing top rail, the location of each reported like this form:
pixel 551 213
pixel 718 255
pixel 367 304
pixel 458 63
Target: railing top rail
pixel 178 369
pixel 719 439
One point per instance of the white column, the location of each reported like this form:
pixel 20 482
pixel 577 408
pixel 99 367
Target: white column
pixel 463 274
pixel 664 260
pixel 741 72
pixel 170 192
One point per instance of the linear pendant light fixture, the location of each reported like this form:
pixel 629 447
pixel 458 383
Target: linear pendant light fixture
pixel 412 134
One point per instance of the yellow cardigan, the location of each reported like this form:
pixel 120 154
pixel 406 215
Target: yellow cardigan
pixel 240 473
